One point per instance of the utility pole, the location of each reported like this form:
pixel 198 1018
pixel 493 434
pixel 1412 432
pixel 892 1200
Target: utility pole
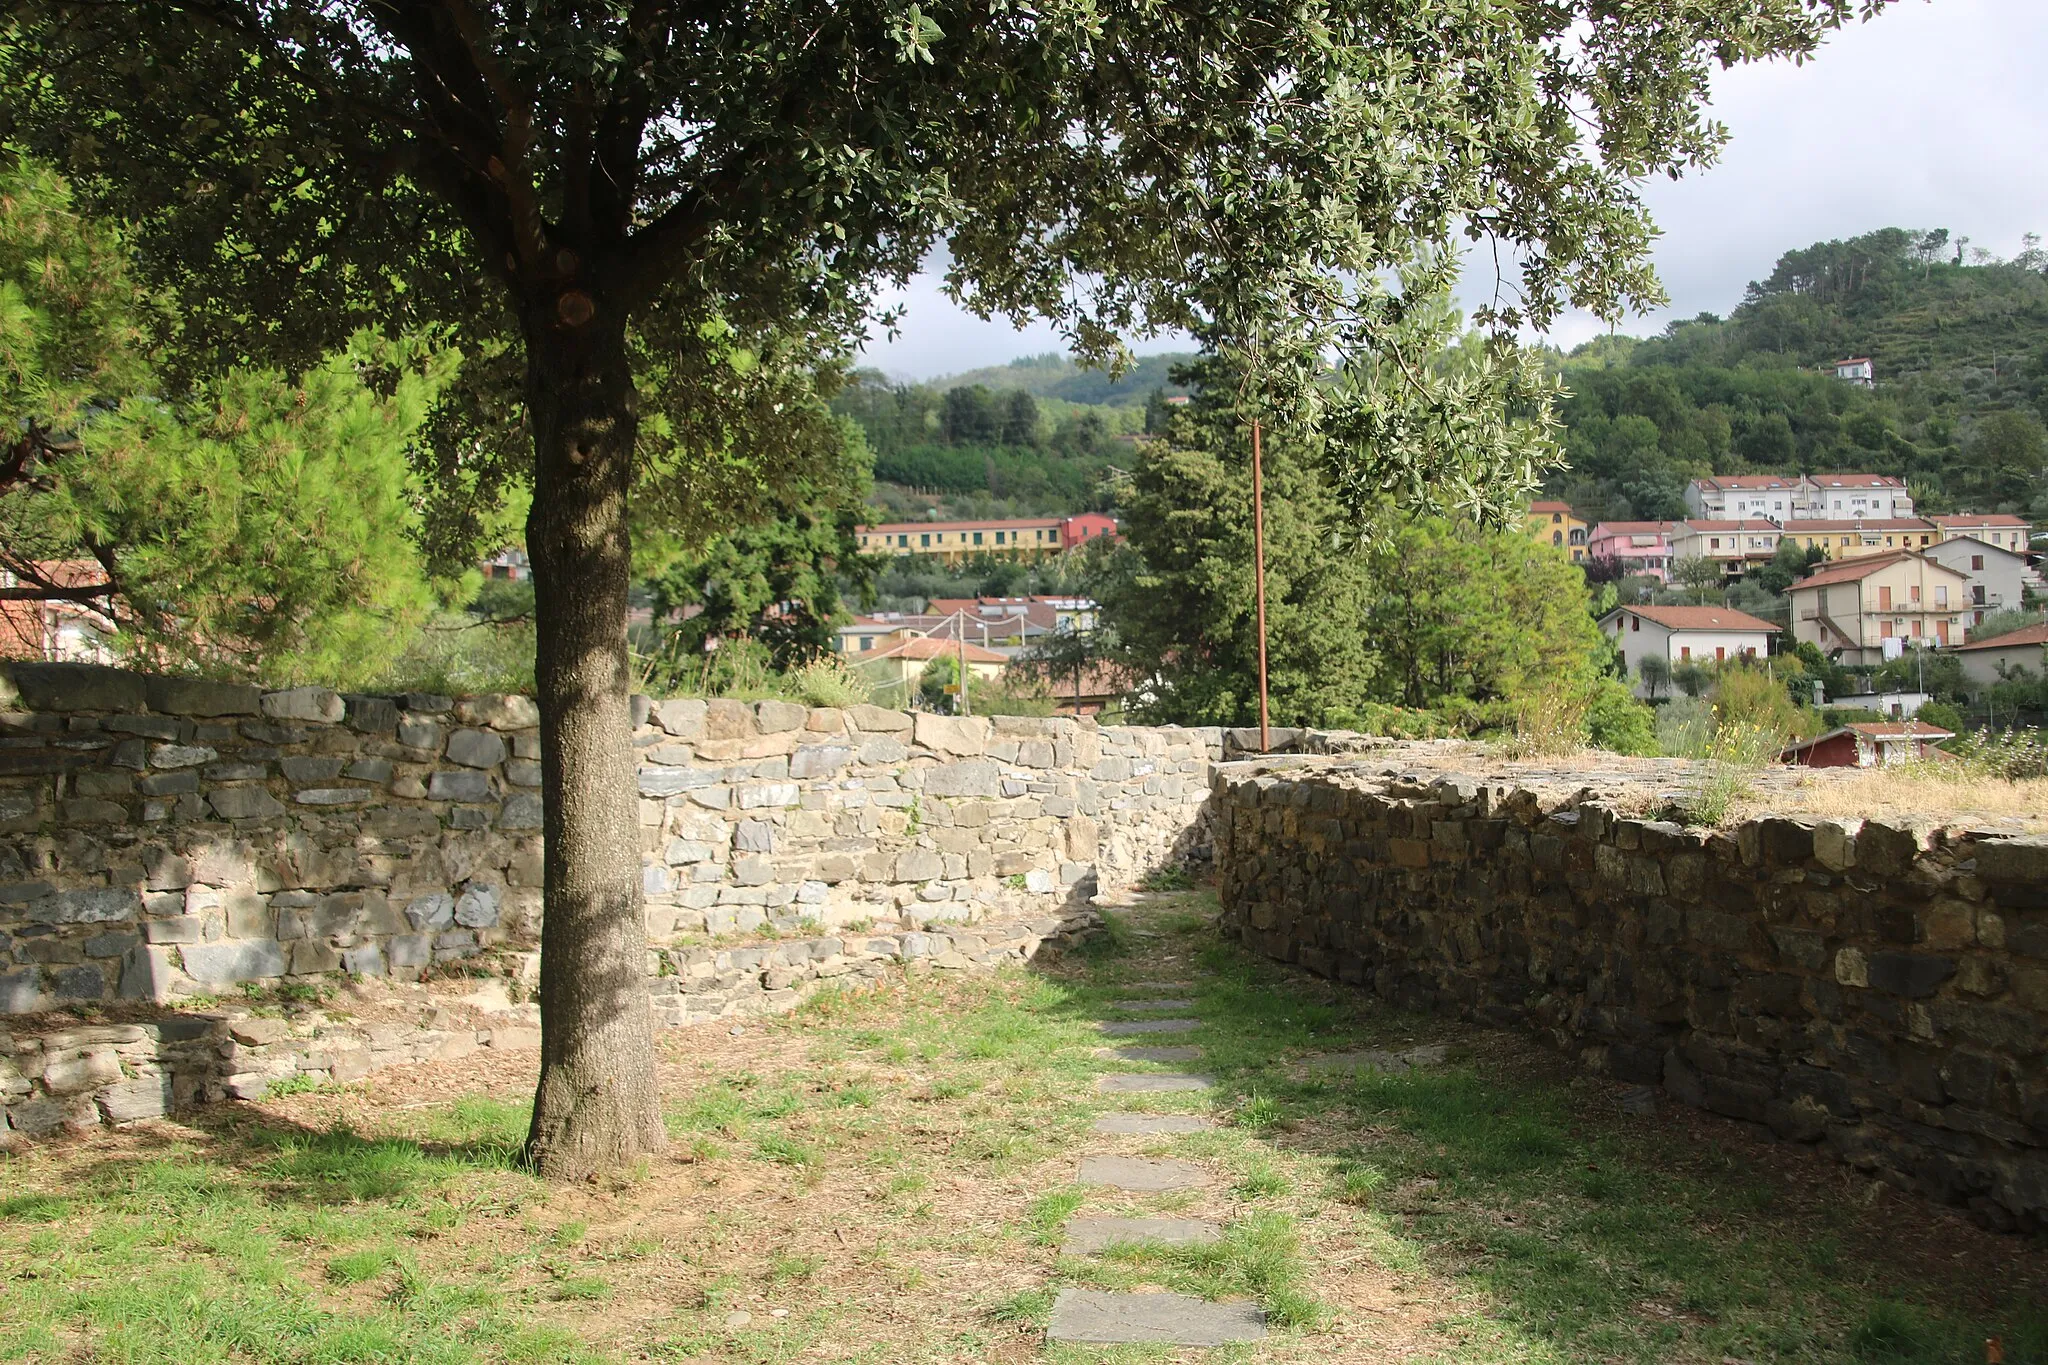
pixel 1259 578
pixel 966 706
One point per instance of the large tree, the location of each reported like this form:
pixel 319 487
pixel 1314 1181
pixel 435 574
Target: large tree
pixel 595 191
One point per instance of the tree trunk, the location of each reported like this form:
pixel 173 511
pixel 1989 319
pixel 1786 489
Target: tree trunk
pixel 597 1106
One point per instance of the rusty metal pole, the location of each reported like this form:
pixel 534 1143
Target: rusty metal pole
pixel 1259 577
pixel 966 703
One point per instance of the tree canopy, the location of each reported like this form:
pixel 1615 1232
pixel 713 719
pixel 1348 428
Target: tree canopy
pixel 650 223
pixel 243 523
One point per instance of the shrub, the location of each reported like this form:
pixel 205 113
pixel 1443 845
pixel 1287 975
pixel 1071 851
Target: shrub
pixel 1617 722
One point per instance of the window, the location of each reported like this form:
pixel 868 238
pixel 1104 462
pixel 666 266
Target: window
pixel 1720 652
pixel 1635 623
pixel 977 537
pixel 1715 543
pixel 1685 651
pixel 903 542
pixel 867 642
pixel 1884 599
pixel 1941 594
pixel 924 539
pixel 999 537
pixel 1916 627
pixel 1977 594
pixel 1556 517
pixel 1557 538
pixel 1913 593
pixel 1976 561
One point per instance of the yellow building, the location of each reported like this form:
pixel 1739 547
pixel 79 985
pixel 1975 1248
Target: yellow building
pixel 1853 539
pixel 1554 523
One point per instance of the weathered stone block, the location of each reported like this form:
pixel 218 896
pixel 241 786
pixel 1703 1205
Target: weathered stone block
pixel 1909 974
pixel 459 786
pixel 371 715
pixel 773 717
pixel 89 905
pixel 877 720
pixel 963 735
pixel 498 712
pixel 476 748
pixel 75 687
pixel 310 770
pixel 305 703
pixel 197 697
pixel 227 963
pixel 968 777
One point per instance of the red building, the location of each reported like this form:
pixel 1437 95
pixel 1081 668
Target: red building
pixel 1868 744
pixel 1087 526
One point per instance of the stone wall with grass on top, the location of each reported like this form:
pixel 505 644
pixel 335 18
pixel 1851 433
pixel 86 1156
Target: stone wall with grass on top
pixel 1877 989
pixel 114 1071
pixel 164 838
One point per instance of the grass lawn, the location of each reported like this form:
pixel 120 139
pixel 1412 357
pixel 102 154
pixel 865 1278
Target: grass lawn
pixel 884 1178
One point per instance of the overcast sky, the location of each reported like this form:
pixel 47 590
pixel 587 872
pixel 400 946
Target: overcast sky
pixel 1932 115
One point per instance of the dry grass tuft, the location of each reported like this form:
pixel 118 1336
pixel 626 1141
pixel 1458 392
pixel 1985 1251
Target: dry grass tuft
pixel 1892 793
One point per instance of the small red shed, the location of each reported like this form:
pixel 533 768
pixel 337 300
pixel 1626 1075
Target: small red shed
pixel 1868 744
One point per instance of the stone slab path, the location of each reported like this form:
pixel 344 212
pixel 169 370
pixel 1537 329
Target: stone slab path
pixel 1103 1318
pixel 1144 1083
pixel 1086 1235
pixel 1156 1054
pixel 1152 1125
pixel 1132 1027
pixel 1096 1317
pixel 1143 1175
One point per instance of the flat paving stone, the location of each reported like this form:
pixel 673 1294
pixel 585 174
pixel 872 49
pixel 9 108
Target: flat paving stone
pixel 1098 1317
pixel 1131 1027
pixel 1156 1054
pixel 1151 1006
pixel 1412 1059
pixel 1153 1125
pixel 1086 1235
pixel 1141 1083
pixel 1143 1175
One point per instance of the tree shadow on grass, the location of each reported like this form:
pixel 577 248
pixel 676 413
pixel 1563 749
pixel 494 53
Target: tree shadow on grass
pixel 1607 1235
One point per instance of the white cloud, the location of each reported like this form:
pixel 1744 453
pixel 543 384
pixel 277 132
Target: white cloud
pixel 1928 116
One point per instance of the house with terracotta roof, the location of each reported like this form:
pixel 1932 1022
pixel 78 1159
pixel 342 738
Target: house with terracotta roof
pixel 1855 497
pixel 1857 369
pixel 1736 497
pixel 952 542
pixel 1737 546
pixel 1868 609
pixel 1868 744
pixel 1860 536
pixel 1684 635
pixel 1998 577
pixel 1555 524
pixel 2002 529
pixel 1994 660
pixel 1642 547
pixel 895 669
pixel 1799 497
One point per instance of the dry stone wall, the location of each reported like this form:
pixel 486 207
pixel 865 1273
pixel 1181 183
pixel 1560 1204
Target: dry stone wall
pixel 162 838
pixel 1878 989
pixel 78 1076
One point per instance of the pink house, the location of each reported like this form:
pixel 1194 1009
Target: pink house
pixel 1640 546
pixel 1084 527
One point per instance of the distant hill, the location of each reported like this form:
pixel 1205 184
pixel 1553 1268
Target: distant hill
pixel 1959 342
pixel 1052 375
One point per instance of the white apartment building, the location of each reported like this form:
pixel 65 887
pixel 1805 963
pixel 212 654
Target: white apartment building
pixel 1799 497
